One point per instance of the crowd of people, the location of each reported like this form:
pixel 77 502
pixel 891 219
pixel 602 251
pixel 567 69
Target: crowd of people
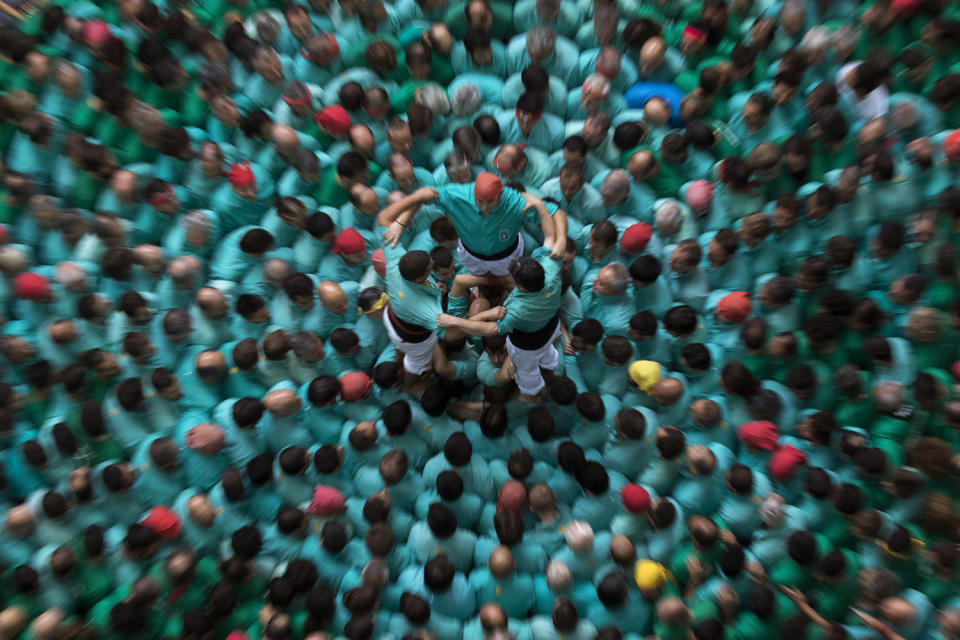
pixel 437 319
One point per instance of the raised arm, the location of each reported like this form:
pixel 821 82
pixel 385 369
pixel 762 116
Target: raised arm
pixel 559 246
pixel 398 215
pixel 547 224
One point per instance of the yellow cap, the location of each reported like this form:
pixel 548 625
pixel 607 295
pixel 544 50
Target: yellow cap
pixel 650 575
pixel 645 374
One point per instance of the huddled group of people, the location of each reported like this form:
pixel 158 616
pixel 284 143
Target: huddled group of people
pixel 479 319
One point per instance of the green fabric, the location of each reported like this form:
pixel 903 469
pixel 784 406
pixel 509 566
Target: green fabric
pixel 329 192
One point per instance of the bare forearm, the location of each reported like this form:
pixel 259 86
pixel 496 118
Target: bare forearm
pixel 405 205
pixel 477 327
pixel 464 282
pixel 488 315
pixel 560 225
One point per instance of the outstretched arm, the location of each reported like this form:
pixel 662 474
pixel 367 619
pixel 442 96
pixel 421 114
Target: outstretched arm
pixel 546 220
pixel 473 327
pixel 398 215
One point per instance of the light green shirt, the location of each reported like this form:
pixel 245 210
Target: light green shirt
pixel 490 233
pixel 532 310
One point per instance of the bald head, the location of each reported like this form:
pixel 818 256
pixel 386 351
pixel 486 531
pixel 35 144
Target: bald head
pixel 651 54
pixel 18 522
pixel 62 332
pixel 362 140
pixel 667 391
pixel 364 199
pixel 201 511
pixel 672 611
pixel 702 529
pixel 332 297
pixel 705 413
pixel 212 302
pixel 492 616
pixel 12 621
pixel 282 403
pixel 12 261
pixel 872 132
pixel 124 184
pixel 183 271
pixel 509 159
pixel 887 396
pixel 559 576
pixel 656 111
pixel 701 461
pixel 622 550
pixel 898 611
pixel 276 270
pixel 211 365
pixel 440 38
pixel 72 276
pixel 46 624
pixel 150 257
pixel 285 138
pixel 641 164
pixel 501 562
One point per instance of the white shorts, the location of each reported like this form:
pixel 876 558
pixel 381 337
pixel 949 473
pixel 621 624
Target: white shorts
pixel 416 355
pixel 529 379
pixel 479 267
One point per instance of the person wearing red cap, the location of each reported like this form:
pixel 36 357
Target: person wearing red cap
pixel 245 197
pixel 489 215
pixel 164 522
pixel 355 386
pixel 348 259
pixel 758 439
pixel 334 123
pixel 32 286
pixel 635 238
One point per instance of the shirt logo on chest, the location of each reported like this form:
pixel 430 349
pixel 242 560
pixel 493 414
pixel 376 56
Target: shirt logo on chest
pixel 504 235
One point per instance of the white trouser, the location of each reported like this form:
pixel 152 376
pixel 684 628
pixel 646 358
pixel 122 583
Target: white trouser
pixel 479 267
pixel 416 355
pixel 529 379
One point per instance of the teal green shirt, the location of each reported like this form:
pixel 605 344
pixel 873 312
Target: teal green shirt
pixel 532 310
pixel 411 302
pixel 488 233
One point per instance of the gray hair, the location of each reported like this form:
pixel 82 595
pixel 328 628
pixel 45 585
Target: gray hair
pixel 455 161
pixel 877 584
pixel 434 98
pixel 817 39
pixel 621 277
pixel 615 183
pixel 792 6
pixel 845 36
pixel 597 84
pixel 465 99
pixel 303 342
pixel 70 273
pixel 376 572
pixel 306 161
pixel 540 41
pixel 669 215
pixel 267 27
pixel 196 221
pixel 551 5
pixel 215 75
pixel 559 576
pixel 296 91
